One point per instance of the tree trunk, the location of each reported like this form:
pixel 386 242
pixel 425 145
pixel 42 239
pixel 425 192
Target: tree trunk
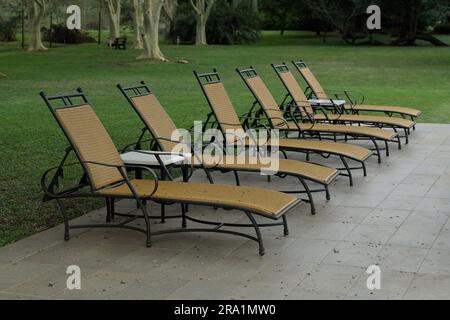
pixel 113 9
pixel 255 7
pixel 150 30
pixel 203 10
pixel 200 31
pixel 137 20
pixel 36 11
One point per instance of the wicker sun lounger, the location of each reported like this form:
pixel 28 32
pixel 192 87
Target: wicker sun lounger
pixel 224 117
pixel 160 126
pixel 106 176
pixel 301 118
pixel 316 90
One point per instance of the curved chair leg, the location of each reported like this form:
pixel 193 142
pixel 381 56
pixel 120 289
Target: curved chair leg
pixel 363 165
pixel 377 148
pixel 62 208
pixel 309 194
pixel 257 231
pixel 147 222
pixel 347 168
pixel 285 226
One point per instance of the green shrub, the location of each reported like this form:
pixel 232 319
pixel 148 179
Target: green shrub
pixel 8 28
pixel 442 29
pixel 61 34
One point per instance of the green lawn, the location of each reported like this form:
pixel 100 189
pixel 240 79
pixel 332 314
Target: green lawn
pixel 30 140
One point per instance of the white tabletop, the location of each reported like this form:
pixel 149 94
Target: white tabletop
pixel 326 102
pixel 139 158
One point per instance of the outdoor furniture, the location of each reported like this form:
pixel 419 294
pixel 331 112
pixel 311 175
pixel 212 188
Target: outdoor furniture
pixel 105 176
pixel 223 116
pixel 334 111
pixel 119 43
pixel 160 127
pixel 315 89
pixel 301 117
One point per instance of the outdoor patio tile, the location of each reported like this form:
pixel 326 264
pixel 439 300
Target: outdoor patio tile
pixel 394 285
pixel 274 246
pixel 429 287
pixel 307 250
pixel 31 245
pixel 348 214
pixel 327 231
pixel 49 284
pixel 353 254
pixel 442 242
pixel 142 261
pixel 440 190
pixel 399 202
pixel 401 258
pixel 100 285
pixel 152 286
pixel 17 296
pixel 82 254
pixel 370 233
pixel 325 280
pixel 432 221
pixel 437 262
pixel 417 236
pixel 13 274
pixel 201 289
pixel 217 244
pixel 189 266
pixel 433 204
pixel 412 190
pixel 421 179
pixel 366 201
pixel 386 217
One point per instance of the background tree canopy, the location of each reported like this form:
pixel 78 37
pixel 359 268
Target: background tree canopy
pixel 226 21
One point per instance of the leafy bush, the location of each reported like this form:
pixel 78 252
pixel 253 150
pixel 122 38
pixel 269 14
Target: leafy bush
pixel 442 29
pixel 226 25
pixel 8 29
pixel 61 34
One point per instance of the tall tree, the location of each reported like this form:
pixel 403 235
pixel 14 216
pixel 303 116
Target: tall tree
pixel 170 8
pixel 36 12
pixel 255 6
pixel 137 23
pixel 113 8
pixel 202 9
pixel 150 30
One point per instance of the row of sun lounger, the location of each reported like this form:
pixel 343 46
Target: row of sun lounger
pixel 306 122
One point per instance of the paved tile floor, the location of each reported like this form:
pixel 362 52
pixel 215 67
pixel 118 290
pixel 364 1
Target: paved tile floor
pixel 397 218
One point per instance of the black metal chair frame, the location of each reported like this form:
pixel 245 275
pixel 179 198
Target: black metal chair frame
pixel 51 192
pixel 142 89
pixel 292 104
pixel 258 112
pixel 214 77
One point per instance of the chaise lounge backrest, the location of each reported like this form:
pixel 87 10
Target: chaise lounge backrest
pixel 263 96
pixel 219 101
pixel 310 79
pixel 152 113
pixel 89 139
pixel 298 96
